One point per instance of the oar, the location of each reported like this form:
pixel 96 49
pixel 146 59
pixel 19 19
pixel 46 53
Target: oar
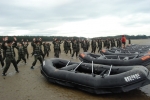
pixel 109 71
pixel 78 66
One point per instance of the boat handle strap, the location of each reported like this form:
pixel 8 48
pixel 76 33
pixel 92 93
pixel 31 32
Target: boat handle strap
pixel 68 63
pixel 78 66
pixel 109 70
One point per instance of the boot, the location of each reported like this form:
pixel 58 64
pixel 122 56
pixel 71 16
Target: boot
pixel 32 67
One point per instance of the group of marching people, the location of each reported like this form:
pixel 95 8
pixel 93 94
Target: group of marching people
pixel 7 47
pixel 8 54
pixel 73 46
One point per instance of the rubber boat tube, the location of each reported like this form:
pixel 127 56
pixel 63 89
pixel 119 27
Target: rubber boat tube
pixel 94 78
pixel 88 58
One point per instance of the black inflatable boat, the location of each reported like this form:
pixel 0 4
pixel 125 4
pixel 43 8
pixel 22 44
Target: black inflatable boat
pixel 94 78
pixel 108 52
pixel 89 57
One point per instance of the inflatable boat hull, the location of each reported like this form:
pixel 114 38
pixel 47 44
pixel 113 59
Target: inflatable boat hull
pixel 88 58
pixel 129 78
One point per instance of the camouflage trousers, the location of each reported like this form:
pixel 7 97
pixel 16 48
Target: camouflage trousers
pixel 21 56
pixel 10 60
pixel 37 57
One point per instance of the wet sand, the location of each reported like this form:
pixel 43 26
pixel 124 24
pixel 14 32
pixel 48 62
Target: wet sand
pixel 31 85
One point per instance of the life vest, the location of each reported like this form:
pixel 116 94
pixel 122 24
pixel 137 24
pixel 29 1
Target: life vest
pixel 56 46
pixel 74 45
pixel 9 51
pixel 21 50
pixel 37 49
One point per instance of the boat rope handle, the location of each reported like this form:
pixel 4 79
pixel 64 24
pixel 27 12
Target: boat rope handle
pixel 104 56
pixel 93 70
pixel 68 63
pixel 92 66
pixel 109 70
pixel 118 57
pixel 78 66
pixel 135 56
pixel 129 51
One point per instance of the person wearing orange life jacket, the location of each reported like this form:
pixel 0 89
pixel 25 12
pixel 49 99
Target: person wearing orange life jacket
pixel 123 40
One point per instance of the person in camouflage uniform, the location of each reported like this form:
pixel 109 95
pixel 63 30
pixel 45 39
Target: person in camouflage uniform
pixel 49 47
pixel 54 41
pixel 99 45
pixel 9 55
pixel 60 42
pixel 93 45
pixel 88 44
pixel 68 46
pixel 119 43
pixel 107 43
pixel 41 43
pixel 32 44
pixel 112 43
pixel 46 52
pixel 21 53
pixel 1 58
pixel 56 48
pixel 65 46
pixel 37 54
pixel 25 47
pixel 84 45
pixel 78 46
pixel 74 47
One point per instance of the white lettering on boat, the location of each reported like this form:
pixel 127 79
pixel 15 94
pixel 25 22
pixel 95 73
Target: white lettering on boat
pixel 132 77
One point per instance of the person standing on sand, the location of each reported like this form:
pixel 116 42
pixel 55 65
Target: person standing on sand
pixel 10 58
pixel 41 43
pixel 25 47
pixel 21 53
pixel 75 48
pixel 68 46
pixel 49 47
pixel 45 46
pixel 78 46
pixel 99 45
pixel 123 40
pixel 56 48
pixel 32 44
pixel 93 45
pixel 37 54
pixel 84 45
pixel 129 41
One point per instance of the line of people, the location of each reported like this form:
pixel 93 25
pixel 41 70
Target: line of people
pixel 71 46
pixel 74 45
pixel 8 46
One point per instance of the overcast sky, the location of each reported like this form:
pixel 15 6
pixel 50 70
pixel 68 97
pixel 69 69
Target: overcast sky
pixel 88 18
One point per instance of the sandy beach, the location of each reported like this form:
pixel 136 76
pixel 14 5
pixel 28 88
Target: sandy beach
pixel 29 84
